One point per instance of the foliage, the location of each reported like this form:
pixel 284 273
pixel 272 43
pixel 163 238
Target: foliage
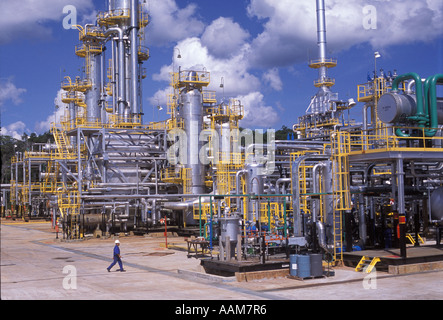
pixel 9 146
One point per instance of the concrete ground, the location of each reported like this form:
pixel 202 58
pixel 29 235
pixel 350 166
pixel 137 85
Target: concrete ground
pixel 36 266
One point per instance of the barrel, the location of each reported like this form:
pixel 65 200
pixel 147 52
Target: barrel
pixel 303 266
pixel 316 265
pixel 293 264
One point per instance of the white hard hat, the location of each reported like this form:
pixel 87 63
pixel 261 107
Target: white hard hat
pixel 116 241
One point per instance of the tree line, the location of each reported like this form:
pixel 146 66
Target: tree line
pixel 9 146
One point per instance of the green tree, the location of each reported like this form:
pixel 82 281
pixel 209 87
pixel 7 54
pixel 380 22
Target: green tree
pixel 9 146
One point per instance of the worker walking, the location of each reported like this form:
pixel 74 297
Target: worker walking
pixel 117 257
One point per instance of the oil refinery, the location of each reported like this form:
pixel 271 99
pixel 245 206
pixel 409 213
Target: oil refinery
pixel 332 190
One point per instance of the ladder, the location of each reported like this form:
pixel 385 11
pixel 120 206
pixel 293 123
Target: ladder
pixel 341 148
pixel 366 264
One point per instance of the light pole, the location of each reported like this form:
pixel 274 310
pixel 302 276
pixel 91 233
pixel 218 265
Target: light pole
pixel 179 56
pixel 222 85
pixel 376 56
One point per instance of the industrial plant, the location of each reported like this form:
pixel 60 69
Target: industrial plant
pixel 330 192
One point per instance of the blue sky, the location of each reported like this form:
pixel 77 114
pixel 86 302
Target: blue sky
pixel 259 47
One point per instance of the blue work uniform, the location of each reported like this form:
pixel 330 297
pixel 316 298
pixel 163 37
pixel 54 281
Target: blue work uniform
pixel 116 259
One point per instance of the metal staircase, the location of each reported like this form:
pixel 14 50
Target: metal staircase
pixel 367 264
pixel 63 144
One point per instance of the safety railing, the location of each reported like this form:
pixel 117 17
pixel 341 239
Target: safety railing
pixel 171 174
pixel 375 89
pixel 186 77
pixel 143 53
pixel 112 16
pixel 326 62
pixel 234 109
pixel 77 85
pixel 209 97
pixel 160 125
pixel 375 140
pixel 324 82
pixel 83 49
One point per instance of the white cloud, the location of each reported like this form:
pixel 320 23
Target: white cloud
pixel 160 98
pixel 8 91
pixel 257 113
pixel 14 130
pixel 224 37
pixel 169 23
pixel 60 110
pixel 272 78
pixel 290 27
pixel 231 67
pixel 29 18
pixel 234 71
pixel 89 18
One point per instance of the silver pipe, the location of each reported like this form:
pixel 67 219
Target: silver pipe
pixel 428 174
pixel 281 181
pixel 134 60
pixel 362 219
pixel 180 206
pixel 184 205
pixel 315 174
pixel 321 234
pixel 296 190
pixel 114 77
pixel 299 146
pixel 321 36
pixel 308 142
pixel 121 68
pixel 237 184
pixel 400 187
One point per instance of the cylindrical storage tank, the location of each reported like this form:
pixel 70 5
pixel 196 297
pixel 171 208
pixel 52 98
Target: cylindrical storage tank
pixel 254 178
pixel 316 265
pixel 437 204
pixel 229 227
pixel 254 186
pixel 119 4
pixel 394 107
pixel 303 266
pixel 224 139
pixel 293 265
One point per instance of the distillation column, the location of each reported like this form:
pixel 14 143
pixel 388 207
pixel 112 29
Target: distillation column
pixel 93 95
pixel 191 101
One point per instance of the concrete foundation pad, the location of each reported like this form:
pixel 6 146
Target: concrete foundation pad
pixel 259 275
pixel 416 267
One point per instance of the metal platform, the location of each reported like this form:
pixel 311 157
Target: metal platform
pixel 229 268
pixel 422 254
